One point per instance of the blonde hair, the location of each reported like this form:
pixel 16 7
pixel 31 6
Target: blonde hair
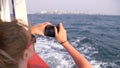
pixel 5 58
pixel 13 40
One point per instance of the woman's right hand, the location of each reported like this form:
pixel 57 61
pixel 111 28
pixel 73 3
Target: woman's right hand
pixel 60 34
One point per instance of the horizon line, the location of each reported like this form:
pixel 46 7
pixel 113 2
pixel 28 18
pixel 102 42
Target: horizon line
pixel 78 13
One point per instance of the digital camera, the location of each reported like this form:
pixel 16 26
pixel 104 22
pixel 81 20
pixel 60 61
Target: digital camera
pixel 49 30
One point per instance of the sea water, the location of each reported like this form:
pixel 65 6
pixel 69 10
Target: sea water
pixel 96 37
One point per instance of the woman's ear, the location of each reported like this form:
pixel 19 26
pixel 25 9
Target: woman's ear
pixel 25 55
pixel 24 59
pixel 28 53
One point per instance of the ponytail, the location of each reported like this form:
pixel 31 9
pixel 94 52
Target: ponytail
pixel 5 59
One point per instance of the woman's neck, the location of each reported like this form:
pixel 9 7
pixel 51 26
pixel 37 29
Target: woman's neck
pixel 22 63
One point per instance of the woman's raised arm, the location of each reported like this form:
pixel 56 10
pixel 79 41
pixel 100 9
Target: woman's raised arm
pixel 61 37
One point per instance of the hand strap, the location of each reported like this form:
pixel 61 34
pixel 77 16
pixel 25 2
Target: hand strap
pixel 63 42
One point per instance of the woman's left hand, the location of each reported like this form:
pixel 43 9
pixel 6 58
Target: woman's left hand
pixel 39 28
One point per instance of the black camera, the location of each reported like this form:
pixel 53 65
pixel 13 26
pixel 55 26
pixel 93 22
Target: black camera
pixel 49 30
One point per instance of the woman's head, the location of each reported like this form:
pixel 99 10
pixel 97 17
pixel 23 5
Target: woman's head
pixel 13 40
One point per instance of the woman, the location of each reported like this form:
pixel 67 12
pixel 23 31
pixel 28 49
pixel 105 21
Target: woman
pixel 16 50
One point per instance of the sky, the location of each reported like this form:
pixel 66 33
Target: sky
pixel 108 7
